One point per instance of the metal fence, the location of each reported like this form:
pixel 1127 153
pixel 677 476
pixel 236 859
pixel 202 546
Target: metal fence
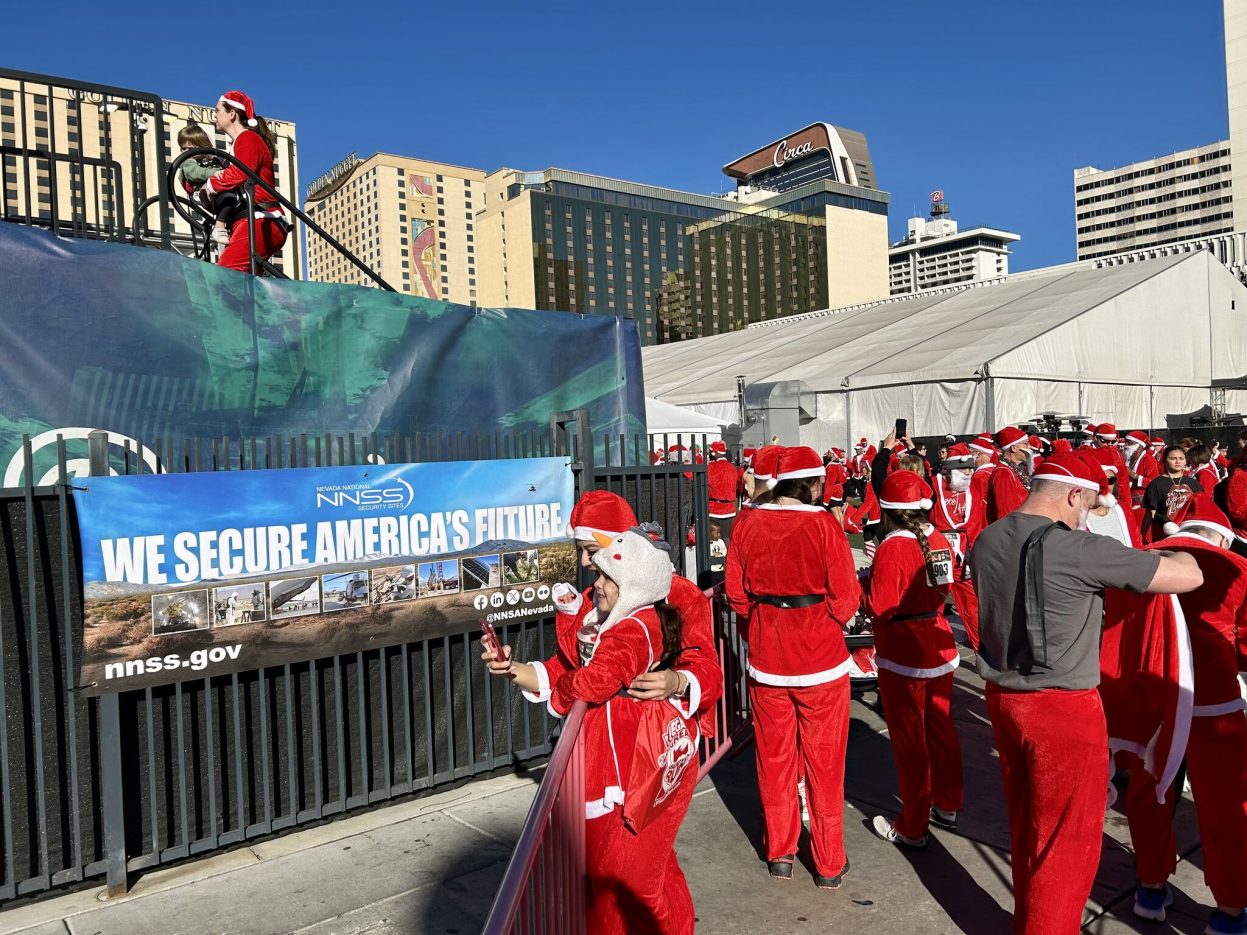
pixel 113 785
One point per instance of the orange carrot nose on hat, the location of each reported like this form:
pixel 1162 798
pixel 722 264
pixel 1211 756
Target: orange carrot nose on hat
pixel 240 101
pixel 905 490
pixel 600 512
pixel 1199 512
pixel 799 462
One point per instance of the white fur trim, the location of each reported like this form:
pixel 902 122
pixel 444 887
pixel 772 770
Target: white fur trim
pixel 1066 478
pixel 1024 440
pixel 799 507
pixel 923 504
pixel 932 673
pixel 1216 710
pixel 1204 524
pixel 612 796
pixel 801 681
pixel 1171 528
pixel 543 685
pixel 585 533
pixel 819 471
pixel 688 708
pixel 1106 500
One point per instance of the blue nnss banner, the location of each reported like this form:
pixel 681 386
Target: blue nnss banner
pixel 187 575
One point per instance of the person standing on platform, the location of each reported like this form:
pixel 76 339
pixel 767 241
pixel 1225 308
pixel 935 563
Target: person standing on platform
pixel 1040 584
pixel 721 481
pixel 1216 751
pixel 910 580
pixel 792 583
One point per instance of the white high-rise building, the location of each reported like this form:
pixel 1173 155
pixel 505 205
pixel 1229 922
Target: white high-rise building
pixel 936 253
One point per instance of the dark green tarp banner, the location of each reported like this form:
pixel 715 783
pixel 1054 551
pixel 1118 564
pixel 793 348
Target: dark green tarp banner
pixel 149 345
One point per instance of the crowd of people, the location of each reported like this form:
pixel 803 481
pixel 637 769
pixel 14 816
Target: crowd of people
pixel 1100 581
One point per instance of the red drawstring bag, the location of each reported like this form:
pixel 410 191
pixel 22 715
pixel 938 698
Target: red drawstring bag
pixel 666 749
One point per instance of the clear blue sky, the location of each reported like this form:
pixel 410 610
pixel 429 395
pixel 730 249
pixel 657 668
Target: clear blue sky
pixel 995 102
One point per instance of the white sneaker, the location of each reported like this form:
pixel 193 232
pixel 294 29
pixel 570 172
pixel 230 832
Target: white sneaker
pixel 887 831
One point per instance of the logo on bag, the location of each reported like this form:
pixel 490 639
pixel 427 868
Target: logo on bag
pixel 678 751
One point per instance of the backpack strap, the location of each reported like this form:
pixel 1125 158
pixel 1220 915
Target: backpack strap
pixel 1033 594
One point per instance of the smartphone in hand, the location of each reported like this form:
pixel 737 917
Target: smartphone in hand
pixel 902 428
pixel 489 639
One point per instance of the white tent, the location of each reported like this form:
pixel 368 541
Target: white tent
pixel 665 418
pixel 1129 344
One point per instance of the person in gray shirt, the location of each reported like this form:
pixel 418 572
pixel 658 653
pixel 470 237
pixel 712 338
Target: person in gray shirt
pixel 1040 581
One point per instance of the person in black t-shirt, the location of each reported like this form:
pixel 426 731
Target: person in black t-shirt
pixel 1167 494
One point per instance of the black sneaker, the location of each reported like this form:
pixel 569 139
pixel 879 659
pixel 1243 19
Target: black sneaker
pixel 943 819
pixel 832 883
pixel 781 867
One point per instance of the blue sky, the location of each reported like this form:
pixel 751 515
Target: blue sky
pixel 996 103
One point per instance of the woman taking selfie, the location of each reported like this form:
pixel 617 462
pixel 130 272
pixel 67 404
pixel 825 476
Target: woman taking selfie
pixel 634 881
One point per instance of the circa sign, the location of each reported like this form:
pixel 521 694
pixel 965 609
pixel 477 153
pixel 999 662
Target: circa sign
pixel 813 139
pixel 783 153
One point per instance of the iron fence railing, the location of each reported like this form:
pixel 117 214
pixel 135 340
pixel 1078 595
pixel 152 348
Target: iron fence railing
pixel 108 786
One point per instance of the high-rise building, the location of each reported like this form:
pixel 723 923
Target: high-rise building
pixel 95 157
pixel 410 220
pixel 1157 201
pixel 935 253
pixel 804 229
pixel 1234 14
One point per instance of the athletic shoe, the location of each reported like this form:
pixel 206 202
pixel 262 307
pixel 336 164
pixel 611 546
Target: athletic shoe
pixel 781 867
pixel 887 830
pixel 1151 902
pixel 832 883
pixel 1222 924
pixel 943 819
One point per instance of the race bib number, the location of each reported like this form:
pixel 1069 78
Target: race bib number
pixel 940 569
pixel 954 540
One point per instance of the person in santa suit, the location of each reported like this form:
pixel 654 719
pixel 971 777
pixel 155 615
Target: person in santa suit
pixel 792 583
pixel 1142 467
pixel 1040 449
pixel 746 459
pixel 721 481
pixel 1231 497
pixel 252 144
pixel 917 655
pixel 1199 462
pixel 1216 752
pixel 859 467
pixel 983 450
pixel 1156 447
pixel 1086 435
pixel 834 480
pixel 1105 435
pixel 1008 484
pixel 958 515
pixel 634 881
pixel 1111 516
pixel 760 478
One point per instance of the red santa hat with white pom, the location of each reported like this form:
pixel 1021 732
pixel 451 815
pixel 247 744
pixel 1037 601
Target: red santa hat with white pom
pixel 240 101
pixel 1199 512
pixel 905 490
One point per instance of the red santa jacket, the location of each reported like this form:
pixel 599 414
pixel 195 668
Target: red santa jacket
pixel 1208 477
pixel 834 481
pixel 1146 469
pixel 912 636
pixel 958 513
pixel 1005 493
pixel 251 150
pixel 721 480
pixel 860 463
pixel 979 481
pixel 621 652
pixel 867 514
pixel 793 551
pixel 698 660
pixel 1216 617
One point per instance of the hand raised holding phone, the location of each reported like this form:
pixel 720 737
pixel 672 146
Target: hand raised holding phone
pixel 496 656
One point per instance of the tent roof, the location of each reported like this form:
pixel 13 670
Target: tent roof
pixel 664 417
pixel 947 335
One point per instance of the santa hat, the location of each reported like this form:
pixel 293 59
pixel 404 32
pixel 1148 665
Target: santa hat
pixel 1157 442
pixel 1106 431
pixel 799 462
pixel 861 444
pixel 905 490
pixel 765 461
pixel 1011 437
pixel 1062 446
pixel 1036 442
pixel 600 513
pixel 950 439
pixel 1138 438
pixel 1070 469
pixel 718 449
pixel 984 444
pixel 656 457
pixel 240 101
pixel 1199 512
pixel 642 569
pixel 747 454
pixel 1088 430
pixel 1103 460
pixel 959 459
pixel 837 455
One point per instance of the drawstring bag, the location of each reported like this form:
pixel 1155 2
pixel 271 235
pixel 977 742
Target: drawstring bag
pixel 666 749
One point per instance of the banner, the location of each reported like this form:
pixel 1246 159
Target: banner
pixel 191 575
pixel 149 345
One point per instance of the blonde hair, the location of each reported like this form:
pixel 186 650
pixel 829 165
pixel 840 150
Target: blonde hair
pixel 194 135
pixel 913 463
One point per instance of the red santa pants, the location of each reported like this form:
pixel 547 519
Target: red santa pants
pixel 269 235
pixel 1216 762
pixel 1054 759
pixel 635 883
pixel 925 746
pixel 804 729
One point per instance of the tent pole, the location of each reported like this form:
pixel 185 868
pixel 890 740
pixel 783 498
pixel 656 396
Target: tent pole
pixel 991 405
pixel 848 421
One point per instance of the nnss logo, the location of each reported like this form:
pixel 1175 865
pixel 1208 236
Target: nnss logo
pixel 397 495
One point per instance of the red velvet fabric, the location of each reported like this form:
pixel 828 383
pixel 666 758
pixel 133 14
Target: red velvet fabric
pixel 1054 759
pixel 270 237
pixel 925 746
pixel 803 732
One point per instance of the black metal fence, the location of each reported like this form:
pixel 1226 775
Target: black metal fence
pixel 112 785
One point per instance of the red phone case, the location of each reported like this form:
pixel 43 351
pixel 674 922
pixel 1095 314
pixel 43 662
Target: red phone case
pixel 489 637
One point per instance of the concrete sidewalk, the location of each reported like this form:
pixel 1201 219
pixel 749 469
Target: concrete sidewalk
pixel 433 865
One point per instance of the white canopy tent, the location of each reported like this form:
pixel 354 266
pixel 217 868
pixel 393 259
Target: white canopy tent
pixel 1129 344
pixel 665 418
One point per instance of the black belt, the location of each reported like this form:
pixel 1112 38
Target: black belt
pixel 790 602
pixel 929 615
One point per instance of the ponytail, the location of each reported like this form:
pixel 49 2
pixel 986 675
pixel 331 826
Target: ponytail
pixel 672 632
pixel 913 521
pixel 266 133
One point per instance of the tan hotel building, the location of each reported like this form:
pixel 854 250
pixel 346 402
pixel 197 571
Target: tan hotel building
pixel 41 118
pixel 805 229
pixel 410 220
